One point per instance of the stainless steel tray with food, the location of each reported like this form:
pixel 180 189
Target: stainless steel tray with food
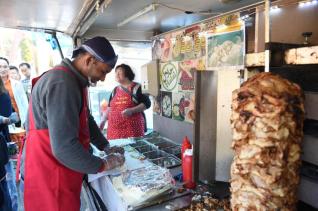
pixel 167 162
pixel 176 151
pixel 145 148
pixel 165 144
pixel 155 154
pixel 155 140
pixel 139 144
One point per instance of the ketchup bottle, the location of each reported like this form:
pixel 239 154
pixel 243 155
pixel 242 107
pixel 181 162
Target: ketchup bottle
pixel 185 145
pixel 187 169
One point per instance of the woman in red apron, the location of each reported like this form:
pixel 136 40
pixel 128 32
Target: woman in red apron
pixel 43 170
pixel 125 117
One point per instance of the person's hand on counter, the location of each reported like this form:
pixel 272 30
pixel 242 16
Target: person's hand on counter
pixel 115 149
pixel 113 160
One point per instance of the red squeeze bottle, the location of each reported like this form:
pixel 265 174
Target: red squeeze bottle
pixel 187 169
pixel 185 145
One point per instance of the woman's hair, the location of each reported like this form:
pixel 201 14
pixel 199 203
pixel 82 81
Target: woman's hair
pixel 127 71
pixel 2 88
pixel 5 59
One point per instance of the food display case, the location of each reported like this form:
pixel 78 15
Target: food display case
pixel 145 176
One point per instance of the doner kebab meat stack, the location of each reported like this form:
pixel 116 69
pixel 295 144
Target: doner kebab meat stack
pixel 267 123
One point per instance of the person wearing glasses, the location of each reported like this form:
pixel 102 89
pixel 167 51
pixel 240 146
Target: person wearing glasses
pixel 59 130
pixel 15 89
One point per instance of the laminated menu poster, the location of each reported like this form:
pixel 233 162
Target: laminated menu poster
pixel 157 105
pixel 166 104
pixel 166 49
pixel 186 76
pixel 169 76
pixel 225 50
pixel 181 106
pixel 156 49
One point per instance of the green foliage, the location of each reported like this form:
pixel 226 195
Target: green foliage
pixel 26 47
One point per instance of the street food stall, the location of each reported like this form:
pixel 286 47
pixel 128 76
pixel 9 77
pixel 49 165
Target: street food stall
pixel 204 57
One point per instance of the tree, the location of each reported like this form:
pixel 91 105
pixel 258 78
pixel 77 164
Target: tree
pixel 26 47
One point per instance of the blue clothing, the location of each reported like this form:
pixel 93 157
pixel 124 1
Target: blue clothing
pixel 6 107
pixel 7 184
pixel 13 192
pixel 4 158
pixel 5 110
pixel 6 201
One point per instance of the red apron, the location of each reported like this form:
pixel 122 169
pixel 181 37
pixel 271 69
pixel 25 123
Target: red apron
pixel 123 127
pixel 48 184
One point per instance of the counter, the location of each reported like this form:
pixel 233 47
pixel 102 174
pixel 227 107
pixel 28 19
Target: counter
pixel 145 164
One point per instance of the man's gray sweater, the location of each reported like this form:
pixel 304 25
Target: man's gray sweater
pixel 56 104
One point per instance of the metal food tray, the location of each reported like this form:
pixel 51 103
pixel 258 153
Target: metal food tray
pixel 159 151
pixel 165 144
pixel 155 154
pixel 145 148
pixel 155 140
pixel 167 162
pixel 139 144
pixel 176 151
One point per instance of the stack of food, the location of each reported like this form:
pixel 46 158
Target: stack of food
pixel 138 186
pixel 267 123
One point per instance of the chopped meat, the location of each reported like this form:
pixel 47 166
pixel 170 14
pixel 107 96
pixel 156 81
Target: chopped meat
pixel 267 123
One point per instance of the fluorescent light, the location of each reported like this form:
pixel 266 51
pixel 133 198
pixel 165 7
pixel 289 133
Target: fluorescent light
pixel 307 3
pixel 274 7
pixel 145 10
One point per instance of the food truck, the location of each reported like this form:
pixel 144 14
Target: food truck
pixel 203 54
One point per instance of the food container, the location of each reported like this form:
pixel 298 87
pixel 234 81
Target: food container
pixel 167 162
pixel 165 144
pixel 155 154
pixel 146 148
pixel 176 151
pixel 139 144
pixel 155 140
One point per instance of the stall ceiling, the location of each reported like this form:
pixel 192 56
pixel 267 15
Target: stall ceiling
pixel 59 15
pixel 68 15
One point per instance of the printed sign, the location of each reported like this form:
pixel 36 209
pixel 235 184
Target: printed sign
pixel 157 105
pixel 181 102
pixel 186 76
pixel 166 104
pixel 169 76
pixel 225 49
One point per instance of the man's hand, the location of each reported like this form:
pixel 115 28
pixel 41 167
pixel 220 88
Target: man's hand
pixel 114 160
